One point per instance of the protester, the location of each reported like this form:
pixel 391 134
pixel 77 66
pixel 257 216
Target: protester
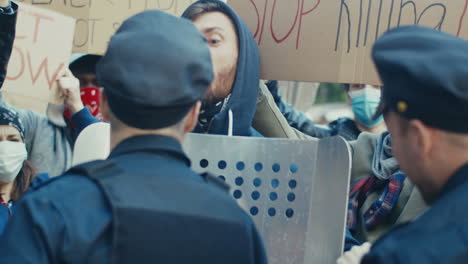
pixel 16 173
pixel 236 88
pixel 144 203
pixel 381 196
pixel 83 67
pixel 229 105
pixel 49 140
pixel 375 178
pixel 373 162
pixel 424 105
pixel 364 101
pixel 375 175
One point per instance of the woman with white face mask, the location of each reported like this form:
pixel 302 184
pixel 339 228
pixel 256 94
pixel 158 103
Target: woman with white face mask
pixel 16 173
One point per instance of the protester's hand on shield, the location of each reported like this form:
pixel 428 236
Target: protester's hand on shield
pixel 355 255
pixel 69 87
pixel 4 3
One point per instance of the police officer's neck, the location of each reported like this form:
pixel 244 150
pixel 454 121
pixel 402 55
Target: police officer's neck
pixel 446 159
pixel 120 135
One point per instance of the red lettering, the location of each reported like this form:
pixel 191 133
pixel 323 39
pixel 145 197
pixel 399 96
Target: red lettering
pixel 263 21
pixel 44 66
pixel 260 24
pixel 258 18
pixel 21 71
pixel 279 40
pixel 298 16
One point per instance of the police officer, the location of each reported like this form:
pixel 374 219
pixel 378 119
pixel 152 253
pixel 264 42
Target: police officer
pixel 424 102
pixel 143 204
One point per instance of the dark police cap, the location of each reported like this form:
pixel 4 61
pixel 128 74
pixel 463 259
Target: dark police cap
pixel 425 76
pixel 156 68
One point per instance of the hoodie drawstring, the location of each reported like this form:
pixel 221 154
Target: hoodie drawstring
pixel 231 121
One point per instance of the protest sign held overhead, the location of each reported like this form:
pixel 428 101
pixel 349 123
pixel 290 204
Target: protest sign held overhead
pixel 331 40
pixel 97 21
pixel 40 53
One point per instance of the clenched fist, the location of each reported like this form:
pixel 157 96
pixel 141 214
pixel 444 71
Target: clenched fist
pixel 69 88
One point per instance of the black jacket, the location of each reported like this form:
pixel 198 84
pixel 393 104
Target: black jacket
pixel 7 37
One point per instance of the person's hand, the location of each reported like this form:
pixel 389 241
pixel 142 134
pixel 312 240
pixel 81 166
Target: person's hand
pixel 355 255
pixel 69 87
pixel 4 3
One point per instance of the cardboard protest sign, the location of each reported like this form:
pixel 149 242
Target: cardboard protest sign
pixel 97 21
pixel 331 40
pixel 40 53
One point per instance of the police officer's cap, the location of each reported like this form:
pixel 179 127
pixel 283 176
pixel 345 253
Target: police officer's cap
pixel 156 68
pixel 425 76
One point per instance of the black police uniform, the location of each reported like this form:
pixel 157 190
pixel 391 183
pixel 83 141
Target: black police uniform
pixel 143 204
pixel 425 76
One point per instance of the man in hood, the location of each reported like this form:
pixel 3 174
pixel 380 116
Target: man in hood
pixel 230 103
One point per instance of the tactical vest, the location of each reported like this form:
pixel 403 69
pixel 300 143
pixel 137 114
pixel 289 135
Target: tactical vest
pixel 146 231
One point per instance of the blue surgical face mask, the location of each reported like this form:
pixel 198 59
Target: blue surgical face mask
pixel 365 103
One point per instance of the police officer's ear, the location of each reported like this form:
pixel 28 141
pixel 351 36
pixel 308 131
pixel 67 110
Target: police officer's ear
pixel 422 137
pixel 191 119
pixel 104 106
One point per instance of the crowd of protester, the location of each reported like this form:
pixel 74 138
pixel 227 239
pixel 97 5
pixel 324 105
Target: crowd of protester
pixel 408 184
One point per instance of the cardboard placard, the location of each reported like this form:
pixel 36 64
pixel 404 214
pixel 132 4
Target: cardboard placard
pixel 41 52
pixel 331 40
pixel 97 21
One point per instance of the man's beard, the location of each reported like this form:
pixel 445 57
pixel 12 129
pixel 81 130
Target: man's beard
pixel 221 86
